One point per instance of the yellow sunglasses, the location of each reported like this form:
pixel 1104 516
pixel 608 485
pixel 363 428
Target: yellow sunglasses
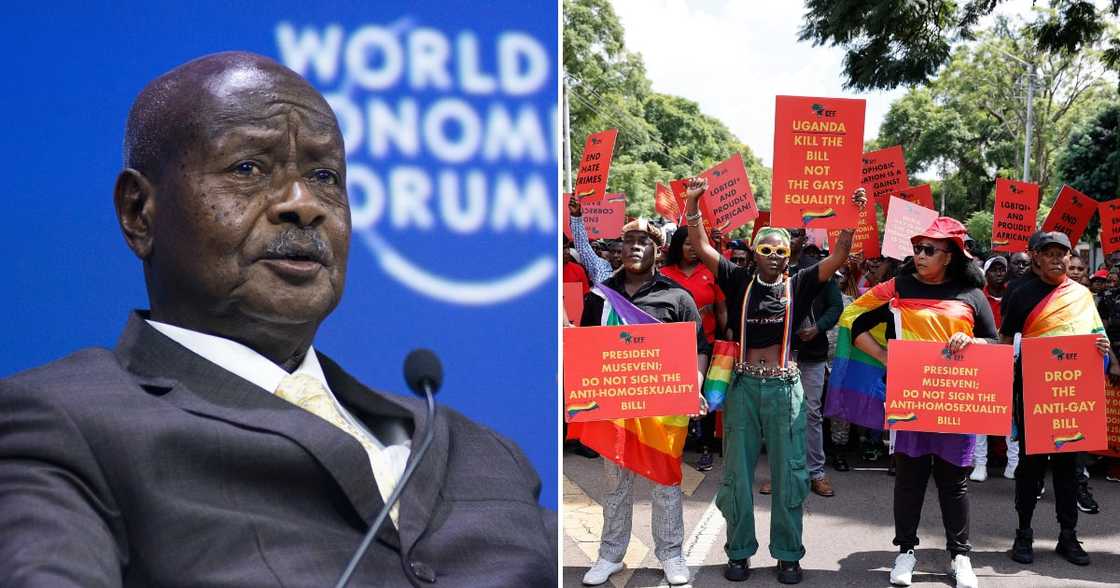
pixel 768 250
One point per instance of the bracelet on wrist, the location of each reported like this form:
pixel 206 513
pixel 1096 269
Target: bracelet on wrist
pixel 692 217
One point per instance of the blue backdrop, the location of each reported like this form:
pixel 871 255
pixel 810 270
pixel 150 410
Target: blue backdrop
pixel 448 110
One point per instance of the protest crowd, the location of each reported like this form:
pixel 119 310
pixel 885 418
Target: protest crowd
pixel 792 329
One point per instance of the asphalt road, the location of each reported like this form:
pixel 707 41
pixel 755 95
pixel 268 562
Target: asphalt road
pixel 847 537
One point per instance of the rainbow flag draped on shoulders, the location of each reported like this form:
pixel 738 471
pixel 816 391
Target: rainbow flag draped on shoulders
pixel 856 386
pixel 649 446
pixel 1067 310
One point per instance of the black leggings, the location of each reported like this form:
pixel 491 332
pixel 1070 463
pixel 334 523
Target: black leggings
pixel 1029 476
pixel 911 477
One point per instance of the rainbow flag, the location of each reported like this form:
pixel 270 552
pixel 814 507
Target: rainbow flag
pixel 718 379
pixel 812 215
pixel 1066 310
pixel 649 446
pixel 857 387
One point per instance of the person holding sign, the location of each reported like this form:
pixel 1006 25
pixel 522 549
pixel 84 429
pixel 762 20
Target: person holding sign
pixel 683 267
pixel 650 446
pixel 1047 304
pixel 765 395
pixel 935 297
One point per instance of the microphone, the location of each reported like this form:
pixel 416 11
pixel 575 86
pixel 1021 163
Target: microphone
pixel 423 373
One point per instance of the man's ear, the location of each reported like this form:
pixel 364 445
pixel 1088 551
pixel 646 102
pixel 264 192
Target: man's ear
pixel 134 199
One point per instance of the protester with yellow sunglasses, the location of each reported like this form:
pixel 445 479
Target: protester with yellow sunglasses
pixel 765 396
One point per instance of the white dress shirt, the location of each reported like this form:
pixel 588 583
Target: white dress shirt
pixel 387 457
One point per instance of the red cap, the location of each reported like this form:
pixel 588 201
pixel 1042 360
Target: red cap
pixel 944 227
pixel 1102 274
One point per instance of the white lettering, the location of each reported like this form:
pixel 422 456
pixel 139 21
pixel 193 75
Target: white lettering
pixel 399 128
pixel 469 217
pixel 522 208
pixel 310 48
pixel 512 48
pixel 442 145
pixel 504 138
pixel 471 76
pixel 410 191
pixel 366 210
pixel 428 52
pixel 366 44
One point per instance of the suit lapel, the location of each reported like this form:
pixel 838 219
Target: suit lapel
pixel 203 388
pixel 419 503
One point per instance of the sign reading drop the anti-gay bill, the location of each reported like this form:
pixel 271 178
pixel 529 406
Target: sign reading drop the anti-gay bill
pixel 1063 394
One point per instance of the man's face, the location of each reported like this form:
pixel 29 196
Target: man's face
pixel 1018 265
pixel 638 251
pixel 1051 263
pixel 614 254
pixel 797 240
pixel 1113 259
pixel 252 218
pixel 739 257
pixel 996 275
pixel 1098 285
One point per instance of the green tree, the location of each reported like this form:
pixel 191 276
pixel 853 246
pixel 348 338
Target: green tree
pixel 889 43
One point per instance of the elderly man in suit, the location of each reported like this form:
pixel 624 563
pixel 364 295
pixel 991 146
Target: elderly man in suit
pixel 215 446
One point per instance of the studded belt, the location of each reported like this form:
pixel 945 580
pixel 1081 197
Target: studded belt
pixel 767 371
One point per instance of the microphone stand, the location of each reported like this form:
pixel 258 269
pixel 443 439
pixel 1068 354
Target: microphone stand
pixel 429 434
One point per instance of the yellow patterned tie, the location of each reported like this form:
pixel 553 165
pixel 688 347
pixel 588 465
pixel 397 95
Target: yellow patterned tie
pixel 308 393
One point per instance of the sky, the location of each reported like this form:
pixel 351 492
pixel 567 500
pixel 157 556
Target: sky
pixel 733 57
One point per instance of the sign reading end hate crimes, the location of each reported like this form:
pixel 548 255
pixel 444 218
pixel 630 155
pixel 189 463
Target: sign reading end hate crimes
pixel 595 166
pixel 1015 216
pixel 1063 394
pixel 728 197
pixel 818 162
pixel 1071 213
pixel 630 371
pixel 932 390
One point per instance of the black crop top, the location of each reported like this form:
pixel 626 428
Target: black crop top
pixel 767 308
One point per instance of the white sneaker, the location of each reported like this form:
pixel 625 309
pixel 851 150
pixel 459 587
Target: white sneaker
pixel 601 572
pixel 1009 472
pixel 676 571
pixel 979 473
pixel 961 569
pixel 903 570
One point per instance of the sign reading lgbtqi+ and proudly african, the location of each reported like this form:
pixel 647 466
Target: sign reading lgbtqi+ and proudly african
pixel 930 389
pixel 728 197
pixel 818 162
pixel 1063 394
pixel 1014 219
pixel 595 165
pixel 884 174
pixel 630 371
pixel 1071 213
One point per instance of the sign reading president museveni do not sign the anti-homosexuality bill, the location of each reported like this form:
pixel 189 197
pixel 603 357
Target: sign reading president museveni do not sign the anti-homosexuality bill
pixel 818 162
pixel 933 390
pixel 630 371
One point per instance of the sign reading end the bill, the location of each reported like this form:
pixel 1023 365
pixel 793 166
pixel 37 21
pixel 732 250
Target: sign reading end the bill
pixel 630 371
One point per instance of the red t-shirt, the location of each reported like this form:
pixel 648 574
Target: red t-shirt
pixel 705 292
pixel 994 303
pixel 574 272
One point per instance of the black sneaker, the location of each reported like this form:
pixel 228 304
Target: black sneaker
pixel 1022 550
pixel 1085 501
pixel 789 572
pixel 840 464
pixel 737 570
pixel 1070 548
pixel 705 462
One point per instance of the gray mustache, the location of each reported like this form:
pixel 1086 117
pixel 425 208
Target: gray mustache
pixel 299 242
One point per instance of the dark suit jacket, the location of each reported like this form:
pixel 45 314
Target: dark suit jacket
pixel 151 466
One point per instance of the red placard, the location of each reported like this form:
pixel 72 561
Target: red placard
pixel 601 220
pixel 1015 216
pixel 904 220
pixel 932 390
pixel 818 161
pixel 884 174
pixel 680 188
pixel 666 203
pixel 573 301
pixel 1112 418
pixel 630 371
pixel 729 197
pixel 1063 394
pixel 866 238
pixel 595 165
pixel 763 220
pixel 922 195
pixel 1071 213
pixel 1110 225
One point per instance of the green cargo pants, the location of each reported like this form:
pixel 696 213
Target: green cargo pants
pixel 774 407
